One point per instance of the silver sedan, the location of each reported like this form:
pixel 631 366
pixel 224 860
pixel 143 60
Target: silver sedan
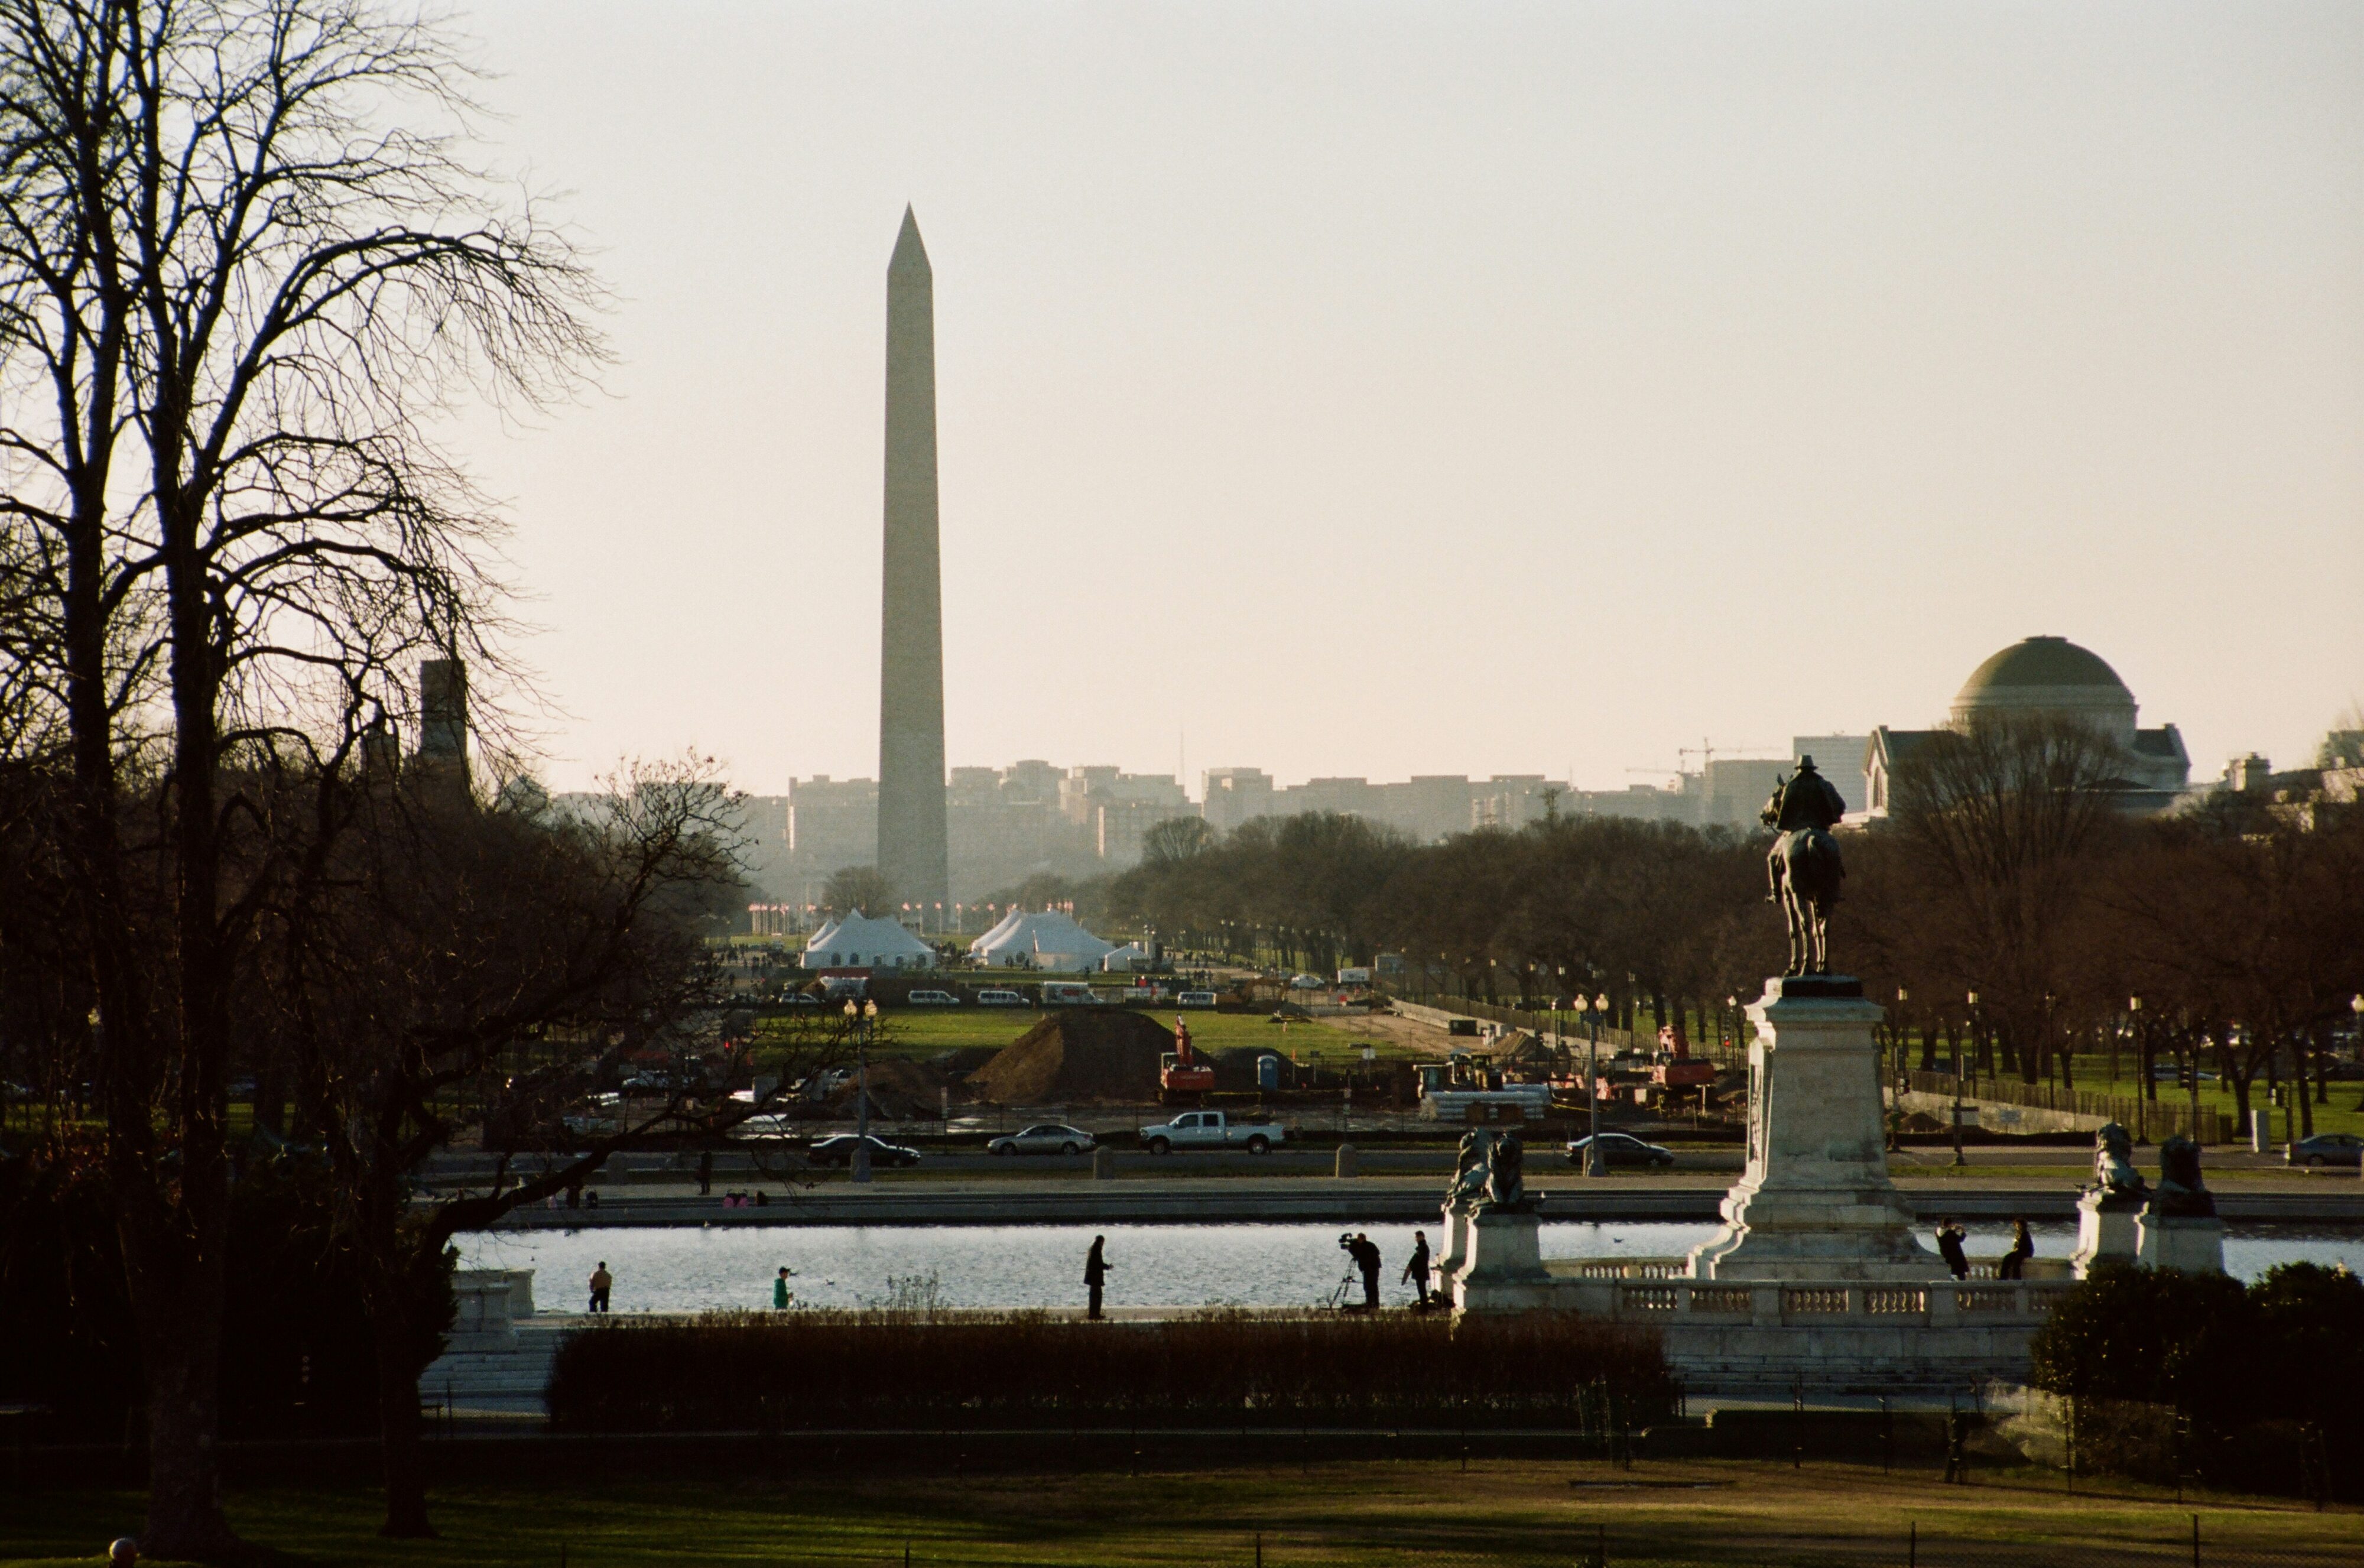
pixel 1044 1138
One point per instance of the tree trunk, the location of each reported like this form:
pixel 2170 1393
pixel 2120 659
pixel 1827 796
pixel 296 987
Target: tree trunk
pixel 176 1294
pixel 399 1434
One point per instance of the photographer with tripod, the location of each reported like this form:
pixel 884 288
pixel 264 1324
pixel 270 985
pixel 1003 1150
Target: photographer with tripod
pixel 1363 1257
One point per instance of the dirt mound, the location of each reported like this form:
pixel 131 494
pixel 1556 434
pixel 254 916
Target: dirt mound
pixel 1097 1053
pixel 958 1064
pixel 1235 1070
pixel 900 1089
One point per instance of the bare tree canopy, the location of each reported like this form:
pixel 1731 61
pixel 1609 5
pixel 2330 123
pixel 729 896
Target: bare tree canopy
pixel 241 272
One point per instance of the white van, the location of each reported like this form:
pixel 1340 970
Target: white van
pixel 999 999
pixel 932 1000
pixel 1066 994
pixel 1195 999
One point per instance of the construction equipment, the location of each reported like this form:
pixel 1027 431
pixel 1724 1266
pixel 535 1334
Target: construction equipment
pixel 1183 1071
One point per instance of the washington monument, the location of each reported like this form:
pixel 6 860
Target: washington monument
pixel 911 644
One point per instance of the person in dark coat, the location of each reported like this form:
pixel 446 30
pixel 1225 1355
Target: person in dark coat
pixel 2022 1247
pixel 1416 1271
pixel 1095 1276
pixel 1365 1254
pixel 1949 1246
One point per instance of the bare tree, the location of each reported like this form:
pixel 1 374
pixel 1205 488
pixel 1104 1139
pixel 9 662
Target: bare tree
pixel 859 890
pixel 2001 821
pixel 232 291
pixel 438 963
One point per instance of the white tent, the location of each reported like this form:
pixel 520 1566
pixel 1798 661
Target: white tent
pixel 858 942
pixel 1131 956
pixel 1040 940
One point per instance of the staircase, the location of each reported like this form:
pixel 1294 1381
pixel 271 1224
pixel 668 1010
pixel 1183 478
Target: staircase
pixel 509 1382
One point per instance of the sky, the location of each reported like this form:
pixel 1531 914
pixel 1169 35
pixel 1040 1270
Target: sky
pixel 1368 389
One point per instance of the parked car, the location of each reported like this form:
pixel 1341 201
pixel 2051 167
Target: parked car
pixel 1000 999
pixel 932 1000
pixel 1211 1129
pixel 1620 1149
pixel 1067 993
pixel 837 1149
pixel 1306 982
pixel 1195 999
pixel 2327 1148
pixel 1044 1138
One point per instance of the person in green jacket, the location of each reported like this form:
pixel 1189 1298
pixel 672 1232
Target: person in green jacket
pixel 781 1295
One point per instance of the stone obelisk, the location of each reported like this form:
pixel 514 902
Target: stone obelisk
pixel 911 851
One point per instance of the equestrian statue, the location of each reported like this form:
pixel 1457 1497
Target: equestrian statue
pixel 1804 866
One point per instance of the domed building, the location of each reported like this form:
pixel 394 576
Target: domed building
pixel 2050 677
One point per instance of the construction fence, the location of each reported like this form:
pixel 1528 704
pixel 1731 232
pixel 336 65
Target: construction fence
pixel 2148 1120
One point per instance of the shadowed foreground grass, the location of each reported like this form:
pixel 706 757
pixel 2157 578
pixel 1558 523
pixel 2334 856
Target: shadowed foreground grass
pixel 1510 1512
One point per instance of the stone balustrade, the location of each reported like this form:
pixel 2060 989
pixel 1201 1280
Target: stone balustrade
pixel 1873 1335
pixel 1654 1290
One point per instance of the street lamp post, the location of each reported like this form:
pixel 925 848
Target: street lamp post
pixel 1962 1062
pixel 859 1019
pixel 1903 1033
pixel 2356 1005
pixel 1596 1159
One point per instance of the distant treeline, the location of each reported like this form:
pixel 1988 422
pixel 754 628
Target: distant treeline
pixel 2006 869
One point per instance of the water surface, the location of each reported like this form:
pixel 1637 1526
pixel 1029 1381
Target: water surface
pixel 690 1269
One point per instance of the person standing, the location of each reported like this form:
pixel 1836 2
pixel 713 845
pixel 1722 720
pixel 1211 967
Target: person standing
pixel 1416 1271
pixel 1096 1270
pixel 1365 1254
pixel 602 1282
pixel 1949 1246
pixel 2022 1247
pixel 780 1294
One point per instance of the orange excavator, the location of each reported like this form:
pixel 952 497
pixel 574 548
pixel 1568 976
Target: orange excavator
pixel 1183 1071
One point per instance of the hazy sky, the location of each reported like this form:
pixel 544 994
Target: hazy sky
pixel 1365 389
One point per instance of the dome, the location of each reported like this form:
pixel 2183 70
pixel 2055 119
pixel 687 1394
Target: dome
pixel 2043 661
pixel 2049 675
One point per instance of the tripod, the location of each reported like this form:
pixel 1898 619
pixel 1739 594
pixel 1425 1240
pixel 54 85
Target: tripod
pixel 1347 1285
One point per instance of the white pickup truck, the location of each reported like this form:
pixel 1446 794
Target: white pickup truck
pixel 1211 1129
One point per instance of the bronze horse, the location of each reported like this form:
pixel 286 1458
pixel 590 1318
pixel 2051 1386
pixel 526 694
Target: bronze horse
pixel 1806 877
pixel 1804 865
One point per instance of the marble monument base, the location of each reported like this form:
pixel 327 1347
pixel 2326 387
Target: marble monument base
pixel 2107 1231
pixel 2195 1245
pixel 1815 1201
pixel 1502 1265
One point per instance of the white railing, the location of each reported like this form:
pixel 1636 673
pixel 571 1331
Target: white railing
pixel 1657 1290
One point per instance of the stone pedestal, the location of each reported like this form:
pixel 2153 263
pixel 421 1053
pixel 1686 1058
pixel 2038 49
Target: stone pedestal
pixel 489 1301
pixel 1452 1249
pixel 1502 1267
pixel 2195 1245
pixel 2107 1229
pixel 1815 1201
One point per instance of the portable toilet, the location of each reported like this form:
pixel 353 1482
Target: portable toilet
pixel 1268 1072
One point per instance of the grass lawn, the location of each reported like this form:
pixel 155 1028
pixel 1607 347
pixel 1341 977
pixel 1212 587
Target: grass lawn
pixel 2338 1115
pixel 1407 1512
pixel 923 1031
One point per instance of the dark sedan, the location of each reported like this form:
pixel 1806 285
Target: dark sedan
pixel 837 1149
pixel 1620 1149
pixel 2328 1149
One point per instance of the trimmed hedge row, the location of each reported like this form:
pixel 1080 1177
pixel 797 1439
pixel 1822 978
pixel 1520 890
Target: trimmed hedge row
pixel 804 1370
